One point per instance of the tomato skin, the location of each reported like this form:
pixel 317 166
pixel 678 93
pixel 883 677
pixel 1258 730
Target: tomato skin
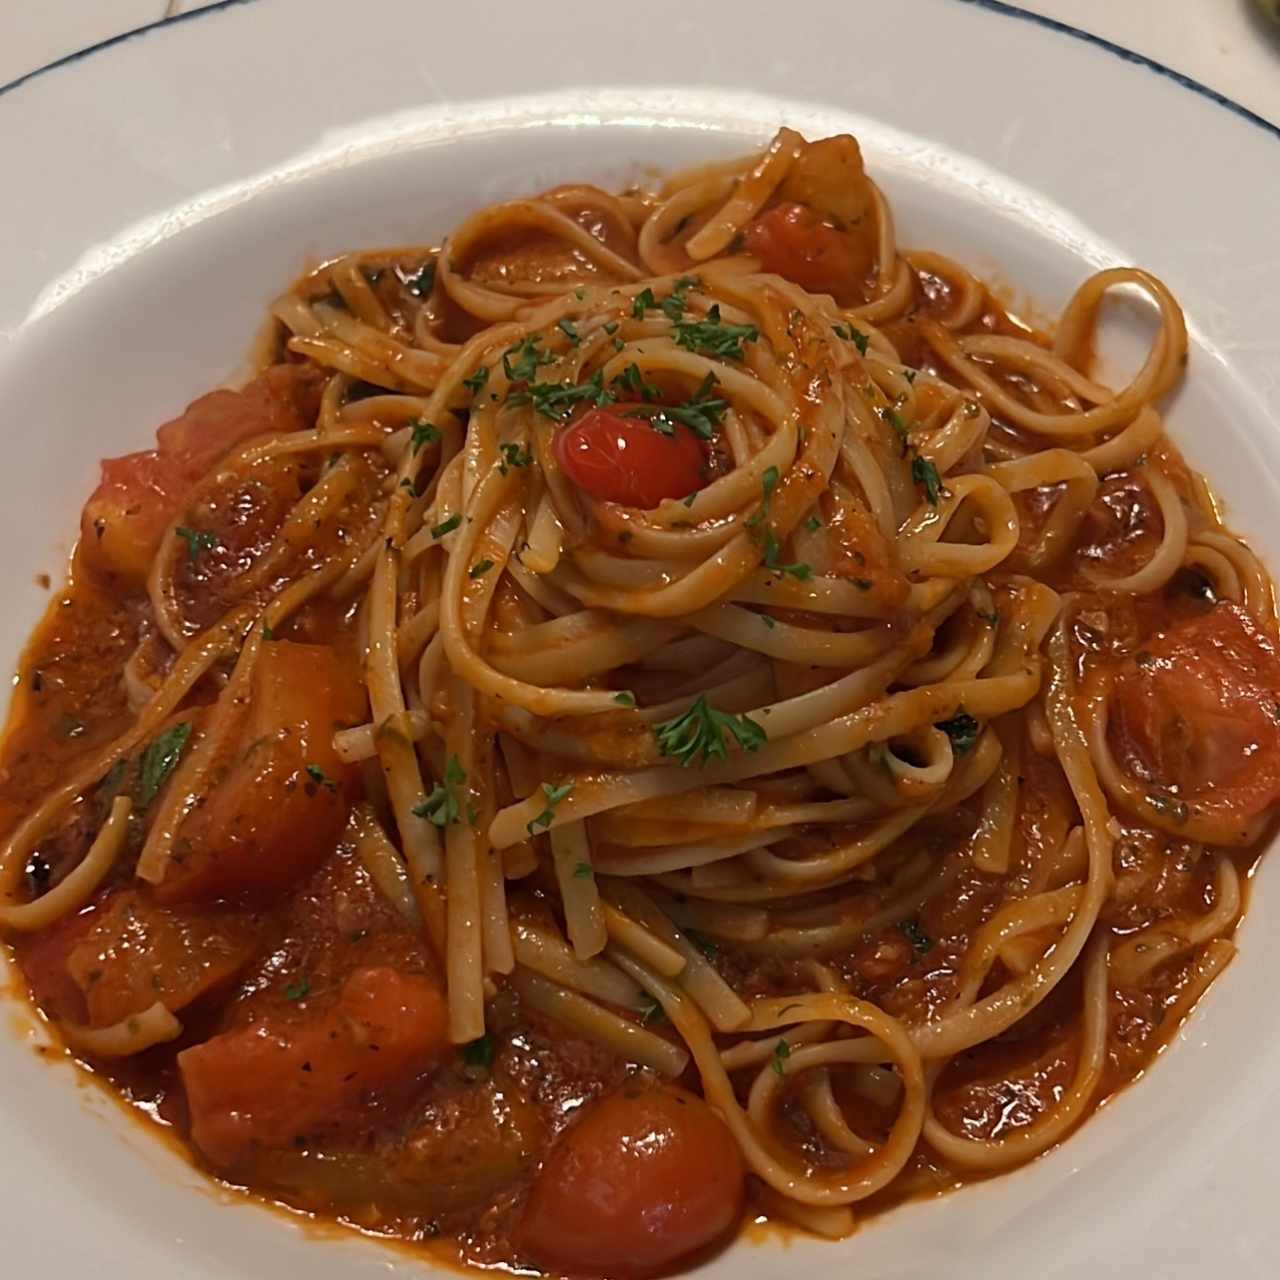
pixel 140 493
pixel 271 820
pixel 265 1084
pixel 642 1178
pixel 1196 710
pixel 794 242
pixel 619 459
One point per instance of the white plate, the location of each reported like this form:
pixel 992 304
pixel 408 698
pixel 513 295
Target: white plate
pixel 158 191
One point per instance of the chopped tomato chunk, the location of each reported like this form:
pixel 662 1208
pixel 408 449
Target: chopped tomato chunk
pixel 290 1076
pixel 1197 714
pixel 642 1178
pixel 141 493
pixel 794 242
pixel 620 459
pixel 282 806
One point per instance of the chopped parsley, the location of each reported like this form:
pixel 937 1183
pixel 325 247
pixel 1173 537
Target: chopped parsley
pixel 553 795
pixel 480 568
pixel 475 383
pixel 702 414
pixel 421 282
pixel 478 1054
pixel 158 762
pixel 772 550
pixel 963 731
pixel 556 399
pixel 445 526
pixel 914 934
pixel 624 699
pixel 715 337
pixel 698 734
pixel 631 379
pixel 813 524
pixel 768 483
pixel 781 1052
pixel 582 871
pixel 925 474
pixel 320 778
pixel 850 334
pixel 570 331
pixel 642 302
pixel 196 541
pixel 298 988
pixel 423 434
pixel 895 420
pixel 441 807
pixel 527 359
pixel 611 327
pixel 513 455
pixel 989 616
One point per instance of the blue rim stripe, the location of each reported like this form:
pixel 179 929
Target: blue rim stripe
pixel 991 6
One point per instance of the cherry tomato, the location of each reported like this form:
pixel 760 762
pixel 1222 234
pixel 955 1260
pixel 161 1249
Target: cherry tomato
pixel 1196 709
pixel 642 1178
pixel 619 459
pixel 794 242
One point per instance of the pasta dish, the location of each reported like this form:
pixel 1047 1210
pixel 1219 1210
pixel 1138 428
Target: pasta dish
pixel 668 709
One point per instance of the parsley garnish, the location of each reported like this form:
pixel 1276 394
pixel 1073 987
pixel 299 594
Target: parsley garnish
pixel 768 621
pixel 441 807
pixel 569 330
pixel 772 549
pixel 554 795
pixel 422 281
pixel 527 359
pixel 963 731
pixel 850 334
pixel 611 327
pixel 556 399
pixel 990 617
pixel 642 302
pixel 476 381
pixel 582 871
pixel 813 524
pixel 624 699
pixel 925 474
pixel 267 633
pixel 699 733
pixel 480 568
pixel 479 1053
pixel 895 420
pixel 781 1052
pixel 702 413
pixel 196 541
pixel 631 379
pixel 318 775
pixel 158 761
pixel 445 526
pixel 768 483
pixel 513 455
pixel 423 433
pixel 298 988
pixel 914 934
pixel 715 337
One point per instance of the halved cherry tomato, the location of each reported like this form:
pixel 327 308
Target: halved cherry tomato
pixel 140 493
pixel 642 1178
pixel 619 459
pixel 1198 709
pixel 287 1076
pixel 282 806
pixel 794 242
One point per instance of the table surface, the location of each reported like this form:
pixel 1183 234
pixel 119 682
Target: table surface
pixel 1224 44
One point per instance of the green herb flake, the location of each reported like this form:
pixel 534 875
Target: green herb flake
pixel 914 934
pixel 475 383
pixel 158 762
pixel 513 455
pixel 196 541
pixel 480 568
pixel 441 807
pixel 478 1054
pixel 702 413
pixel 963 730
pixel 611 327
pixel 642 302
pixel 320 778
pixel 553 796
pixel 699 734
pixel 570 331
pixel 298 988
pixel 715 337
pixel 772 550
pixel 445 526
pixel 990 616
pixel 925 474
pixel 768 621
pixel 528 357
pixel 850 334
pixel 768 483
pixel 781 1052
pixel 556 399
pixel 625 700
pixel 813 524
pixel 582 871
pixel 423 434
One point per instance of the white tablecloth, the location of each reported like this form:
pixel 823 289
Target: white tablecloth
pixel 1222 43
